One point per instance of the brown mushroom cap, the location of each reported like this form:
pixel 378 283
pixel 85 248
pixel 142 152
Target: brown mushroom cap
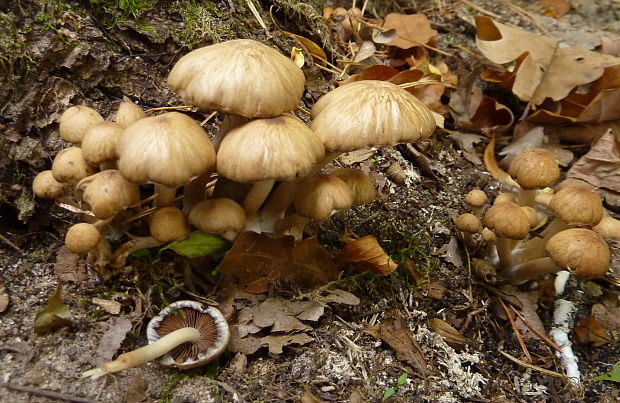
pixel 581 250
pixel 361 185
pixel 476 198
pixel 535 168
pixel 504 197
pixel 321 195
pixel 468 223
pixel 108 192
pixel 44 185
pixel 577 206
pixel 507 220
pixel 70 166
pixel 128 113
pixel 209 321
pixel 242 76
pixel 488 235
pixel 75 121
pixel 370 113
pixel 99 143
pixel 217 216
pixel 278 148
pixel 531 214
pixel 169 224
pixel 82 237
pixel 168 149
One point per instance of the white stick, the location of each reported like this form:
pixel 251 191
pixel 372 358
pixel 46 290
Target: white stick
pixel 563 322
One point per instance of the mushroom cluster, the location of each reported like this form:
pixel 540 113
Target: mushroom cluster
pixel 571 224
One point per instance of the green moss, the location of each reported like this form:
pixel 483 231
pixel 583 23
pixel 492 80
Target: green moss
pixel 202 22
pixel 113 12
pixel 15 62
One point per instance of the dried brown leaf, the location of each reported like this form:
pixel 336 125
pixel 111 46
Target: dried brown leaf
pixel 609 318
pixel 257 256
pixel 410 30
pixel 69 267
pixel 115 331
pixel 557 8
pixel 113 307
pixel 136 392
pixel 447 332
pixel 367 254
pixel 339 297
pixel 273 312
pixel 55 314
pixel 356 156
pixel 309 397
pixel 590 331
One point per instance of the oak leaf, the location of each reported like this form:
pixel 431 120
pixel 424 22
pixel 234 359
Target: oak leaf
pixel 367 254
pixel 410 30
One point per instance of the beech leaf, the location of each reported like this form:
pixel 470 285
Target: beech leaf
pixel 367 254
pixel 410 30
pixel 55 315
pixel 198 244
pixel 258 256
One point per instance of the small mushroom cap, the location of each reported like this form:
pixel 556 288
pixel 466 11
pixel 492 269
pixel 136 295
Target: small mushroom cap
pixel 531 214
pixel 243 77
pixel 608 228
pixel 169 224
pixel 504 197
pixel 44 185
pixel 488 236
pixel 535 168
pixel 99 143
pixel 507 220
pixel 577 206
pixel 321 195
pixel 107 193
pixel 216 216
pixel 82 237
pixel 209 321
pixel 279 148
pixel 468 223
pixel 128 113
pixel 580 250
pixel 75 121
pixel 169 149
pixel 370 113
pixel 361 185
pixel 476 198
pixel 70 166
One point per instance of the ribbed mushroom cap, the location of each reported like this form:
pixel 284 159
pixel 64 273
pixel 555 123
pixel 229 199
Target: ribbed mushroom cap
pixel 321 195
pixel 128 113
pixel 169 224
pixel 361 185
pixel 476 198
pixel 535 168
pixel 168 149
pixel 507 220
pixel 468 223
pixel 243 77
pixel 580 250
pixel 99 143
pixel 70 166
pixel 44 185
pixel 82 237
pixel 279 148
pixel 577 206
pixel 207 319
pixel 216 216
pixel 108 192
pixel 75 121
pixel 370 113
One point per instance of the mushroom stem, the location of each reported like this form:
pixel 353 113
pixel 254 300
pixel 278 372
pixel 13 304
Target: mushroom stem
pixel 527 197
pixel 165 195
pixel 146 353
pixel 257 196
pixel 195 191
pixel 532 269
pixel 120 255
pixel 535 247
pixel 504 252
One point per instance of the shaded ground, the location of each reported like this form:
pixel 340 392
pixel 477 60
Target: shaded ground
pixel 57 54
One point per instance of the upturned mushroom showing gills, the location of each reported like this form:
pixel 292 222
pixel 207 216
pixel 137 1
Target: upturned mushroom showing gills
pixel 186 333
pixel 167 150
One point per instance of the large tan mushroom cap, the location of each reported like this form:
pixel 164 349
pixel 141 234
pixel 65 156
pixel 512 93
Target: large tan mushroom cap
pixel 507 220
pixel 361 185
pixel 370 113
pixel 278 148
pixel 44 185
pixel 535 168
pixel 169 224
pixel 108 192
pixel 75 121
pixel 99 143
pixel 581 250
pixel 468 223
pixel 243 77
pixel 476 198
pixel 577 206
pixel 82 237
pixel 168 149
pixel 321 195
pixel 70 166
pixel 216 216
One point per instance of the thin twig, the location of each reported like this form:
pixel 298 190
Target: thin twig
pixel 204 122
pixel 10 243
pixel 480 9
pixel 172 108
pixel 517 333
pixel 536 331
pixel 47 393
pixel 532 366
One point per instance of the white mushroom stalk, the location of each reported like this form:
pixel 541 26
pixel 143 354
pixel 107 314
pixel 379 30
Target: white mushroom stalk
pixel 562 326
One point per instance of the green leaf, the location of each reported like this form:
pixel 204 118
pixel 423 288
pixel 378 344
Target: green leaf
pixel 55 315
pixel 402 379
pixel 141 253
pixel 389 392
pixel 613 375
pixel 199 244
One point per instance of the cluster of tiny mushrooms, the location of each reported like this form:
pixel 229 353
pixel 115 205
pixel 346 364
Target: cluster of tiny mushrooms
pixel 267 163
